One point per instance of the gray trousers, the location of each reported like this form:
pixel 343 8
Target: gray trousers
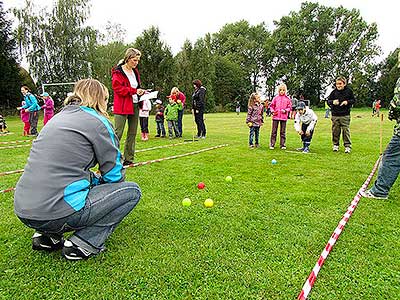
pixel 130 142
pixel 341 125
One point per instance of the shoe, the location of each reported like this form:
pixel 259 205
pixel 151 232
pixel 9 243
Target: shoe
pixel 306 150
pixel 368 194
pixel 203 137
pixel 335 148
pixel 251 146
pixel 157 135
pixel 46 243
pixel 257 146
pixel 347 150
pixel 300 149
pixel 73 252
pixel 163 136
pixel 283 147
pixel 127 163
pixel 271 147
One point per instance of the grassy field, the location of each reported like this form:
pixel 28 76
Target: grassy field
pixel 260 240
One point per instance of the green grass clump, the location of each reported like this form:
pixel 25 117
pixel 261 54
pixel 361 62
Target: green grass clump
pixel 259 241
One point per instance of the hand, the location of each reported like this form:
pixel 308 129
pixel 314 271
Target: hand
pixel 178 101
pixel 307 133
pixel 197 111
pixel 19 108
pixel 249 124
pixel 140 92
pixel 335 102
pixel 283 111
pixel 275 113
pixel 344 103
pixel 300 132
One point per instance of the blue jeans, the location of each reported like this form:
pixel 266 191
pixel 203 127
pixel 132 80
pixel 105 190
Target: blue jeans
pixel 106 206
pixel 254 133
pixel 180 117
pixel 389 168
pixel 160 128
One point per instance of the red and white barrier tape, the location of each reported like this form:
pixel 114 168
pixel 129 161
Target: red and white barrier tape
pixel 140 150
pixel 138 164
pixel 16 142
pixel 173 157
pixel 16 146
pixel 334 237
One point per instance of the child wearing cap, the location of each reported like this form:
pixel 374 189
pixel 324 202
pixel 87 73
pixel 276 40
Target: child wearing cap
pixel 48 107
pixel 304 124
pixel 160 119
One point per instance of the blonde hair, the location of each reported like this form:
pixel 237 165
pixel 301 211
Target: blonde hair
pixel 91 93
pixel 174 90
pixel 252 99
pixel 129 53
pixel 282 85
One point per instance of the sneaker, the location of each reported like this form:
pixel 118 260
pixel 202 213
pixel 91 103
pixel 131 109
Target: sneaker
pixel 251 146
pixel 300 149
pixel 283 147
pixel 347 150
pixel 73 252
pixel 271 147
pixel 157 135
pixel 306 150
pixel 368 194
pixel 257 146
pixel 46 243
pixel 335 148
pixel 127 163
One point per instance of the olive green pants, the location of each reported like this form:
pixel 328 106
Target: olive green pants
pixel 341 125
pixel 130 142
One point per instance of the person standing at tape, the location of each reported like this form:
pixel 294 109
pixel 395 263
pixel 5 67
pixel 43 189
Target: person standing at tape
pixel 390 165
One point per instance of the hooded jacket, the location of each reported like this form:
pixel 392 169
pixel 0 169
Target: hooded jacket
pixel 123 91
pixel 280 104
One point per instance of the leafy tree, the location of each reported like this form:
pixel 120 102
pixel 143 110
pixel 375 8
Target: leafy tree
pixel 244 45
pixel 10 81
pixel 184 71
pixel 57 45
pixel 319 43
pixel 389 75
pixel 156 64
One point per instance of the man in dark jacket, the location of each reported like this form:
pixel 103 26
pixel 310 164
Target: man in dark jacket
pixel 198 107
pixel 340 101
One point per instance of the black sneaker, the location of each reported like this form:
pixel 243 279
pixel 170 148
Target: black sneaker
pixel 127 163
pixel 46 243
pixel 73 252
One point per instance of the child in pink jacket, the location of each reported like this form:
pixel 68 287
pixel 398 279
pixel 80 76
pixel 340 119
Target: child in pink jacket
pixel 280 106
pixel 48 107
pixel 25 118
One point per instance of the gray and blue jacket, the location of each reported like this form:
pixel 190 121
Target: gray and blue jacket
pixel 57 176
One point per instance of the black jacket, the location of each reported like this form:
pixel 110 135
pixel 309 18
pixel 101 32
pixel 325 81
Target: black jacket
pixel 344 95
pixel 198 99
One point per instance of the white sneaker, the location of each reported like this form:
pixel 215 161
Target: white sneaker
pixel 283 147
pixel 368 194
pixel 271 147
pixel 335 148
pixel 347 150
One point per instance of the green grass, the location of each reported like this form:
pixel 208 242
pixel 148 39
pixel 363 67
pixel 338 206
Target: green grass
pixel 260 240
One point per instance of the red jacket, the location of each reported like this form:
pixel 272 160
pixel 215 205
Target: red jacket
pixel 123 91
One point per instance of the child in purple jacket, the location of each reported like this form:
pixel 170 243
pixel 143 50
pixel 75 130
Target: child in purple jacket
pixel 254 118
pixel 48 107
pixel 280 106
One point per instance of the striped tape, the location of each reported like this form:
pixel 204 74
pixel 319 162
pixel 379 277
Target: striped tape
pixel 138 164
pixel 16 142
pixel 334 237
pixel 140 150
pixel 16 146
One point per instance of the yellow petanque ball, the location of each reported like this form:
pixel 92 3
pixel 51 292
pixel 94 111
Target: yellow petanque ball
pixel 186 202
pixel 228 178
pixel 208 203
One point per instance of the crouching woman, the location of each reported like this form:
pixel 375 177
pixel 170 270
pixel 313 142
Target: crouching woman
pixel 60 193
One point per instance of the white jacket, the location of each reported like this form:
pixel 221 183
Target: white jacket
pixel 309 118
pixel 145 110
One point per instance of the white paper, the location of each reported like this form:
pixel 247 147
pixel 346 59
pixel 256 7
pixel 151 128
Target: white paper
pixel 148 96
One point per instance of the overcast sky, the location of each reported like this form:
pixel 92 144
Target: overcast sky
pixel 180 20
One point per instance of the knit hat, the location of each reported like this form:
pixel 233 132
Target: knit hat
pixel 45 94
pixel 301 105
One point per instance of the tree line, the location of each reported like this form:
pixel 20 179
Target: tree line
pixel 307 50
